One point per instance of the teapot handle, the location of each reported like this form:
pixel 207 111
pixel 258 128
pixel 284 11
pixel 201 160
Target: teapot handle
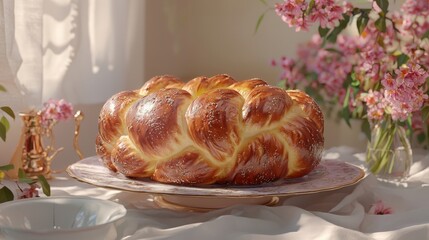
pixel 78 117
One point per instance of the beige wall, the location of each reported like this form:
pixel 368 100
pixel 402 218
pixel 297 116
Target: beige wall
pixel 189 38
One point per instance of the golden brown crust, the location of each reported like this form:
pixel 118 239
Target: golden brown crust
pixel 265 105
pixel 211 130
pixel 188 168
pixel 214 121
pixel 262 160
pixel 309 106
pixel 305 142
pixel 159 82
pixel 128 161
pixel 201 85
pixel 111 123
pixel 154 120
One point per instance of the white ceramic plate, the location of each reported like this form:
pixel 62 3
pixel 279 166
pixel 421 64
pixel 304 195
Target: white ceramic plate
pixel 328 175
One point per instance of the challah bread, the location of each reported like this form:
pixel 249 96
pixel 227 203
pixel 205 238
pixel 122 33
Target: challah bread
pixel 210 131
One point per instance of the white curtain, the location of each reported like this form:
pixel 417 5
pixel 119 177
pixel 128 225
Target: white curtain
pixel 91 45
pixel 69 48
pixel 81 50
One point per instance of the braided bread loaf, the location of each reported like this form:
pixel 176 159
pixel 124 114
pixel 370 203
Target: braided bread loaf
pixel 210 130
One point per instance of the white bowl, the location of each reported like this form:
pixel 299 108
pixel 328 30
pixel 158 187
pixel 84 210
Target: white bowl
pixel 61 218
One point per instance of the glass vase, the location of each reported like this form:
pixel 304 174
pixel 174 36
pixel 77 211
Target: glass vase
pixel 389 156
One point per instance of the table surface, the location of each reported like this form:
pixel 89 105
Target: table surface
pixel 346 213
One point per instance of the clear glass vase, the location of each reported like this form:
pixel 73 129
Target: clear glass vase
pixel 389 155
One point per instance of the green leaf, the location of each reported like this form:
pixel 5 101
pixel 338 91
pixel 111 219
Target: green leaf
pixel 425 35
pixel 380 24
pixel 5 123
pixel 421 138
pixel 263 2
pixel 21 173
pixel 332 37
pixel 402 59
pixel 258 23
pixel 6 167
pixel 365 127
pixel 323 31
pixel 5 194
pixel 3 132
pixel 355 83
pixel 345 112
pixel 8 111
pixel 427 135
pixel 282 84
pixel 314 94
pixel 383 4
pixel 362 22
pixel 425 113
pixel 2 88
pixel 45 185
pixel 349 80
pixel 333 50
pixel 310 7
pixel 22 177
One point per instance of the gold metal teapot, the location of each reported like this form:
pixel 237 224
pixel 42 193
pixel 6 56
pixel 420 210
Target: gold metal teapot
pixel 31 155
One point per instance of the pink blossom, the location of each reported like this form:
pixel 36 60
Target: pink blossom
pixel 372 97
pixel 326 13
pixel 379 208
pixel 273 63
pixel 29 192
pixel 375 103
pixel 416 7
pixel 347 7
pixel 372 63
pixel 290 11
pixel 56 110
pixel 332 70
pixel 389 82
pixel 348 45
pixel 411 75
pixel 290 72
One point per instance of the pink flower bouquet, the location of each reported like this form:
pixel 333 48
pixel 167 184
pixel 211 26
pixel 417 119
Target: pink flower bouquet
pixel 378 74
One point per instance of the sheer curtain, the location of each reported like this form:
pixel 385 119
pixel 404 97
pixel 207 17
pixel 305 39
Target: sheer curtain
pixel 80 50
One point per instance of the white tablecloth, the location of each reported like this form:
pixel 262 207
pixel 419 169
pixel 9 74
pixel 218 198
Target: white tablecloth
pixel 339 214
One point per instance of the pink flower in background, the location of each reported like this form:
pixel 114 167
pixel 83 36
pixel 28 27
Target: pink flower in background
pixel 290 72
pixel 324 12
pixel 332 69
pixel 56 110
pixel 402 94
pixel 389 82
pixel 416 7
pixel 378 208
pixel 412 75
pixel 291 12
pixel 349 45
pixel 375 103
